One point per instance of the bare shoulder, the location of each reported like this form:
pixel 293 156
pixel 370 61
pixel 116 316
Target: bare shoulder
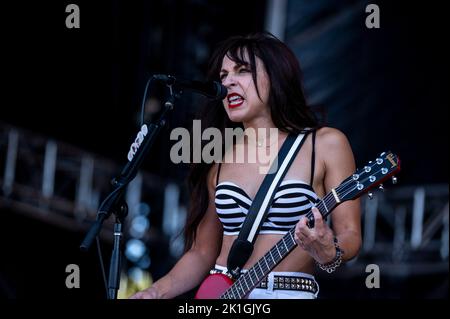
pixel 331 139
pixel 334 149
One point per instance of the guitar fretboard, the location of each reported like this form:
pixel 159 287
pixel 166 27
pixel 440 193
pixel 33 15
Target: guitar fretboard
pixel 250 279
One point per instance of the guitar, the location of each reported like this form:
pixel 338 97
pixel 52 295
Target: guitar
pixel 221 286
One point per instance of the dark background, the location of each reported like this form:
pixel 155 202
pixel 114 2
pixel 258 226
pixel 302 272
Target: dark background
pixel 385 88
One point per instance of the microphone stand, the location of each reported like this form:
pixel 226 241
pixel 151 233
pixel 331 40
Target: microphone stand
pixel 115 203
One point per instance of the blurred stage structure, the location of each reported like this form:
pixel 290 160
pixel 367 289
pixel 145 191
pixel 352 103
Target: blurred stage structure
pixel 63 185
pixel 405 228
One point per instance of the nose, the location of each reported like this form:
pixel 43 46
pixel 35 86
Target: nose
pixel 229 80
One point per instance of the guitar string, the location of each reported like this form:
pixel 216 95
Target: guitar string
pixel 252 271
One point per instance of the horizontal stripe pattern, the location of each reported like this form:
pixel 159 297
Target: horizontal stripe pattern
pixel 293 199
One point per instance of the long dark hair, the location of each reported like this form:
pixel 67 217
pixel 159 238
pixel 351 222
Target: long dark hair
pixel 288 107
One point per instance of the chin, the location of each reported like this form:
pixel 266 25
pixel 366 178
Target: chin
pixel 236 116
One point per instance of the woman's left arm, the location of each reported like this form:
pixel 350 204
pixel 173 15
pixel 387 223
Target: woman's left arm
pixel 337 161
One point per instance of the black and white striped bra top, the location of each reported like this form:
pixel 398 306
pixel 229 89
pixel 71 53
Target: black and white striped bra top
pixel 292 199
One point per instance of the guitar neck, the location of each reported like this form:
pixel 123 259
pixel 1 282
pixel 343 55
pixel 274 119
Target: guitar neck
pixel 248 280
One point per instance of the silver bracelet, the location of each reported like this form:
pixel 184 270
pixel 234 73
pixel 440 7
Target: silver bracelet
pixel 336 262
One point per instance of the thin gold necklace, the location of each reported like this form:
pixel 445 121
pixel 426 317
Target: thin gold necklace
pixel 261 143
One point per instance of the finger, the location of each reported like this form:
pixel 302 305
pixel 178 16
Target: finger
pixel 297 232
pixel 318 219
pixel 303 228
pixel 136 296
pixel 298 236
pixel 301 243
pixel 301 224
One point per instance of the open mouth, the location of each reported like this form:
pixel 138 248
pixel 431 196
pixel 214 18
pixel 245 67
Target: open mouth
pixel 234 100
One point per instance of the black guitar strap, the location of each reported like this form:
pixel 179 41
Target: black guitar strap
pixel 242 247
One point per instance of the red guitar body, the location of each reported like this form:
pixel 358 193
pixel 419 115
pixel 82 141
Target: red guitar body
pixel 214 286
pixel 374 173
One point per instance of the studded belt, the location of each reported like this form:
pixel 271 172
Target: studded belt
pixel 290 283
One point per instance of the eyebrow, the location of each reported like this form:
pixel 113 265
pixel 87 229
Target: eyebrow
pixel 236 66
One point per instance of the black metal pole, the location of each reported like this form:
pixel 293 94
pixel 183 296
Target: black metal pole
pixel 114 202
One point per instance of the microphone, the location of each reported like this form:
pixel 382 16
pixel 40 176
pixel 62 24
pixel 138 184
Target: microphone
pixel 211 89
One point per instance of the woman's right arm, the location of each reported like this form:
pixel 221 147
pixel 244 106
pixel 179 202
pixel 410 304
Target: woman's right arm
pixel 195 264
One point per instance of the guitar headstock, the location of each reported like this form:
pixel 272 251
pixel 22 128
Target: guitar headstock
pixel 371 175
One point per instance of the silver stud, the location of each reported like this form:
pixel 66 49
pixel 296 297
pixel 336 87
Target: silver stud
pixel 394 180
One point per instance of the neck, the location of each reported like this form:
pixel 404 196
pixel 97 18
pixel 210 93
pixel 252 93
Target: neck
pixel 262 127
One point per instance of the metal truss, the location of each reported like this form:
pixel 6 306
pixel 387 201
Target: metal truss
pixel 58 183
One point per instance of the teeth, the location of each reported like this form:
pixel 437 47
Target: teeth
pixel 234 98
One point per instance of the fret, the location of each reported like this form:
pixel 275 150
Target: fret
pixel 240 289
pixel 233 295
pixel 270 252
pixel 325 209
pixel 276 246
pixel 325 205
pixel 256 273
pixel 291 236
pixel 282 247
pixel 256 269
pixel 236 292
pixel 231 292
pixel 274 258
pixel 266 263
pixel 245 281
pixel 250 275
pixel 274 250
pixel 350 188
pixel 287 249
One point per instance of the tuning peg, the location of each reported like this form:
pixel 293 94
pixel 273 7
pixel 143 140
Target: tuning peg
pixel 381 187
pixel 394 180
pixel 370 195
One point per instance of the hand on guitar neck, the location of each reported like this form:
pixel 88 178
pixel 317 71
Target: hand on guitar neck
pixel 317 240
